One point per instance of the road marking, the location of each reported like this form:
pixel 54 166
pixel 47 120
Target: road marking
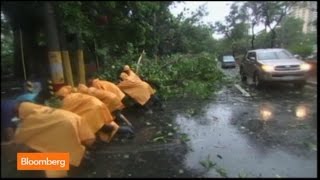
pixel 245 93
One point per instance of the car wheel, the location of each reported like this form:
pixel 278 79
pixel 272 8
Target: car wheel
pixel 243 77
pixel 300 85
pixel 258 83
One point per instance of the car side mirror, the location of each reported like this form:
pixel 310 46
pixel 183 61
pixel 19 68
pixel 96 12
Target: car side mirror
pixel 252 58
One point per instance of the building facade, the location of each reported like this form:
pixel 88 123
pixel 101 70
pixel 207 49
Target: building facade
pixel 307 11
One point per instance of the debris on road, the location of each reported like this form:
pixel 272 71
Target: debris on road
pixel 158 139
pixel 208 164
pixel 222 172
pixel 184 138
pixel 244 93
pixel 310 146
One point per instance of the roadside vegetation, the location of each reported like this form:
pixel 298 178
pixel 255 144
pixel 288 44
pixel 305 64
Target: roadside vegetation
pixel 181 55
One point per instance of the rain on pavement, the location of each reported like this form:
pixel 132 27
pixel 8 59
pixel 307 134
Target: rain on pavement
pixel 270 134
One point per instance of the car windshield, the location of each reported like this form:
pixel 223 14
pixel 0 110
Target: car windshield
pixel 274 55
pixel 228 59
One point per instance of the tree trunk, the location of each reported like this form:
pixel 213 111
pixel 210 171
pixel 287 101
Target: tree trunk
pixel 18 71
pixel 233 50
pixel 53 47
pixel 252 37
pixel 30 49
pixel 23 19
pixel 273 38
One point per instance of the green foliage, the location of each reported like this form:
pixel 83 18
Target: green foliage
pixel 6 47
pixel 242 175
pixel 74 18
pixel 243 17
pixel 177 75
pixel 235 30
pixel 184 137
pixel 184 75
pixel 262 39
pixel 141 24
pixel 208 164
pixel 53 102
pixel 290 36
pixel 301 49
pixel 161 138
pixel 222 172
pixel 290 32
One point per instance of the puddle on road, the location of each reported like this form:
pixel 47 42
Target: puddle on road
pixel 213 134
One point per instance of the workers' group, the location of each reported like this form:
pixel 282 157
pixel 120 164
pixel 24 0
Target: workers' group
pixel 87 113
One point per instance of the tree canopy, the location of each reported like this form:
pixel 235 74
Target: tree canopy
pixel 111 30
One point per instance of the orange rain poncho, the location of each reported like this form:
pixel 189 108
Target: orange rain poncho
pixel 91 109
pixel 46 129
pixel 135 88
pixel 108 86
pixel 131 74
pixel 112 101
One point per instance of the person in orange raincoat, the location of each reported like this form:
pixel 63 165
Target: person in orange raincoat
pixel 46 129
pixel 106 86
pixel 138 89
pixel 112 101
pixel 93 111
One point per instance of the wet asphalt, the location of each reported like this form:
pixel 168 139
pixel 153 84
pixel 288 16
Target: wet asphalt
pixel 272 133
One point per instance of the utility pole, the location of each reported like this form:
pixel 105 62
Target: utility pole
pixel 54 53
pixel 65 57
pixel 81 67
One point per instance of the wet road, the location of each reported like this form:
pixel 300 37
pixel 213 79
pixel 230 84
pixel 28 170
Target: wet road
pixel 272 133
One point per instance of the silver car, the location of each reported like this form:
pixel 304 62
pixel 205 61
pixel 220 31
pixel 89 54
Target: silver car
pixel 228 61
pixel 273 65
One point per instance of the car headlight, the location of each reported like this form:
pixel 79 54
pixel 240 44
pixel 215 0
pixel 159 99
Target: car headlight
pixel 305 67
pixel 267 68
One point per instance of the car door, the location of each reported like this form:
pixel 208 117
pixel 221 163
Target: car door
pixel 251 63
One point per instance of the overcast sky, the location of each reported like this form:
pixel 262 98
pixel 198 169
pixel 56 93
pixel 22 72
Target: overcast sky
pixel 217 11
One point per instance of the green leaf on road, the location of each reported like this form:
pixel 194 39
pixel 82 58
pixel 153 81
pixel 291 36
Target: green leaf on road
pixel 310 146
pixel 184 138
pixel 159 138
pixel 222 172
